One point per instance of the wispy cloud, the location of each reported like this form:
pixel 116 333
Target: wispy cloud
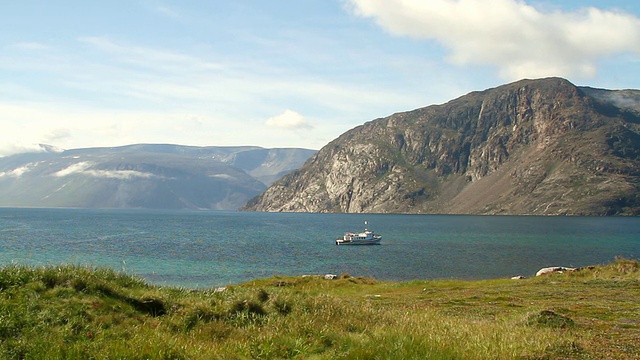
pixel 17 172
pixel 168 11
pixel 148 57
pixel 517 38
pixel 72 169
pixel 118 174
pixel 115 91
pixel 84 168
pixel 30 46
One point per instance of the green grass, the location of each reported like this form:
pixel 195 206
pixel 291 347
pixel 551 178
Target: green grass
pixel 71 312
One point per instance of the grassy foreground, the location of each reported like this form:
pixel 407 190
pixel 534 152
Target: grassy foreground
pixel 72 312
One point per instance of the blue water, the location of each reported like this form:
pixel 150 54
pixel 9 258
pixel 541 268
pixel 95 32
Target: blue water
pixel 217 248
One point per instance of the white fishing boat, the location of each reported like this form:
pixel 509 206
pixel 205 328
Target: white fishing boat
pixel 366 237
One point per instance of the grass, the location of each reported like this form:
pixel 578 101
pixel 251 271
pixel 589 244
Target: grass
pixel 71 312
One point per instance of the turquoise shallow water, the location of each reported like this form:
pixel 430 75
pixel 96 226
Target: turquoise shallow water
pixel 216 248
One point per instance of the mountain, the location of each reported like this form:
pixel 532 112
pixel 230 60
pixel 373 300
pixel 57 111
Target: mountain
pixel 544 147
pixel 143 176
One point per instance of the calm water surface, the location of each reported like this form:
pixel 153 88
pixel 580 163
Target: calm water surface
pixel 216 248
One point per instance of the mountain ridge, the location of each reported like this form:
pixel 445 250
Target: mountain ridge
pixel 143 176
pixel 536 147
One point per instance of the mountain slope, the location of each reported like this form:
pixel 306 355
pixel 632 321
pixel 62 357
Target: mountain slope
pixel 142 176
pixel 531 147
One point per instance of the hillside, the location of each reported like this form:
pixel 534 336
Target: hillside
pixel 144 176
pixel 544 147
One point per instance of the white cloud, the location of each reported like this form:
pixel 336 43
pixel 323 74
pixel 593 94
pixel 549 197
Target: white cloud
pixel 289 120
pixel 17 172
pixel 84 168
pixel 222 176
pixel 118 174
pixel 13 147
pixel 72 169
pixel 521 40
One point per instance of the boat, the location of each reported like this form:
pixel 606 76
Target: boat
pixel 366 237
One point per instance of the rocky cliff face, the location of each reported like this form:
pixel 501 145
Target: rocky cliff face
pixel 530 147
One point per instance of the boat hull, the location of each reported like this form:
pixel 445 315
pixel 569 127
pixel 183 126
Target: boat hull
pixel 374 241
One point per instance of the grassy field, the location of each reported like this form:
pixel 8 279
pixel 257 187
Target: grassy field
pixel 71 312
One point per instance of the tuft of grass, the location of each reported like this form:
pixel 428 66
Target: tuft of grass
pixel 71 312
pixel 551 319
pixel 263 296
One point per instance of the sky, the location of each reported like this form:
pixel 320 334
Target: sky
pixel 282 73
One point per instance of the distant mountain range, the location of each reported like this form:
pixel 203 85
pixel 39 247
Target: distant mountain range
pixel 144 176
pixel 544 147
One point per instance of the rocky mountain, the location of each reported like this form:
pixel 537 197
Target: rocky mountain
pixel 541 146
pixel 144 176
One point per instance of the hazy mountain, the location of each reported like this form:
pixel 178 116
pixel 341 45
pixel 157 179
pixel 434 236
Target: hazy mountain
pixel 531 147
pixel 143 176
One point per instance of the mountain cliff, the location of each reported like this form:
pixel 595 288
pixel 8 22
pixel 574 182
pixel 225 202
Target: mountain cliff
pixel 144 176
pixel 541 146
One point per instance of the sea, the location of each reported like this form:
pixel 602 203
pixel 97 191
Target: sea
pixel 206 249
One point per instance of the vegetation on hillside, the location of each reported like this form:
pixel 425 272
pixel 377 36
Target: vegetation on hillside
pixel 71 312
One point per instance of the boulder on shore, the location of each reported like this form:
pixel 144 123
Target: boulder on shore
pixel 554 269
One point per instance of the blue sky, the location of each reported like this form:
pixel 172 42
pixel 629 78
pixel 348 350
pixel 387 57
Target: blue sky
pixel 293 73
